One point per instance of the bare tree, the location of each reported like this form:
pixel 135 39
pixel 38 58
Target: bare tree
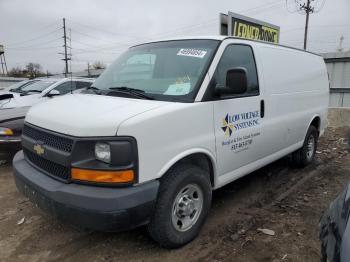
pixel 98 65
pixel 33 69
pixel 16 72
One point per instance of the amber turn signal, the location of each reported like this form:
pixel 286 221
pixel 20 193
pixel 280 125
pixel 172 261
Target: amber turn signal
pixel 100 176
pixel 6 131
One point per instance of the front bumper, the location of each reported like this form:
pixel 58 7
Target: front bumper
pixel 98 208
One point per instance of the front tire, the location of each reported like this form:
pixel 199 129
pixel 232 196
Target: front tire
pixel 183 204
pixel 306 154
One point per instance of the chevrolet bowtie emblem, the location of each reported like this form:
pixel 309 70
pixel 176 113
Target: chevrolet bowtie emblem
pixel 39 149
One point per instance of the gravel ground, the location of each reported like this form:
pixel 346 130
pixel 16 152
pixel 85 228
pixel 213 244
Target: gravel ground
pixel 279 197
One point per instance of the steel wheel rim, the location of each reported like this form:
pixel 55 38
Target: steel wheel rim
pixel 310 148
pixel 187 207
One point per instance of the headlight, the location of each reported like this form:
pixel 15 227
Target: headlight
pixel 5 131
pixel 103 152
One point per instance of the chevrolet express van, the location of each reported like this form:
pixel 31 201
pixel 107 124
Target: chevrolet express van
pixel 166 124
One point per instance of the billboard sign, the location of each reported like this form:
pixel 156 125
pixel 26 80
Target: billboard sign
pixel 245 27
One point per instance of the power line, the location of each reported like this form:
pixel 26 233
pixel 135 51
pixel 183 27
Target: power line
pixel 86 35
pixel 262 6
pixel 181 29
pixel 35 49
pixel 85 44
pixel 129 43
pixel 36 38
pixel 36 45
pixel 313 26
pixel 92 51
pixel 36 30
pixel 267 9
pixel 169 32
pixel 100 29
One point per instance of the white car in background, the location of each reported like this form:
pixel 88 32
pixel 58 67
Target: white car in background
pixel 20 84
pixel 42 90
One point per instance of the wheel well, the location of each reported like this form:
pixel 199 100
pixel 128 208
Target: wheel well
pixel 202 161
pixel 316 122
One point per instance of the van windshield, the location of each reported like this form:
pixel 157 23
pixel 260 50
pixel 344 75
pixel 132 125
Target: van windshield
pixel 169 71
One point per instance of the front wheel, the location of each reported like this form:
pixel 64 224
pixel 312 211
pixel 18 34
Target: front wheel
pixel 183 203
pixel 306 154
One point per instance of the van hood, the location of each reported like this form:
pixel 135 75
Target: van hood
pixel 87 115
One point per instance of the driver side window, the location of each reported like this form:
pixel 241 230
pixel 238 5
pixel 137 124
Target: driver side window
pixel 236 55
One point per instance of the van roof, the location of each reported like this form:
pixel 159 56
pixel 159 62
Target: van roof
pixel 223 37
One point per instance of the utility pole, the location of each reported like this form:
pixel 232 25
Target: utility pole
pixel 308 9
pixel 307 22
pixel 88 69
pixel 65 48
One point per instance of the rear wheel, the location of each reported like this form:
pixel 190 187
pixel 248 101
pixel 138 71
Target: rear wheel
pixel 182 206
pixel 306 154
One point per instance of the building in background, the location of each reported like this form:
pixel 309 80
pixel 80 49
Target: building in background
pixel 338 66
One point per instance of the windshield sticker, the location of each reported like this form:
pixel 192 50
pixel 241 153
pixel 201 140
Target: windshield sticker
pixel 192 52
pixel 178 89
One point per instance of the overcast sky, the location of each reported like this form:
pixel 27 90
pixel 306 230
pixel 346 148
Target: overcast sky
pixel 31 31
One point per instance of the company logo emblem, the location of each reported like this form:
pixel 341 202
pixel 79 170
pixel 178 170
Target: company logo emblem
pixel 227 127
pixel 39 149
pixel 235 122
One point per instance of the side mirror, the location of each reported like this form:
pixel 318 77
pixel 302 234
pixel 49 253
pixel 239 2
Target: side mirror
pixel 53 93
pixel 236 82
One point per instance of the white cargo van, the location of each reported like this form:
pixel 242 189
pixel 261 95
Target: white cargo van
pixel 164 125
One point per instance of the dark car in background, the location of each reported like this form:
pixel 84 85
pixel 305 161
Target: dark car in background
pixel 335 229
pixel 11 124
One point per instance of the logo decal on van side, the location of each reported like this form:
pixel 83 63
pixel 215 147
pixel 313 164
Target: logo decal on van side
pixel 235 122
pixel 226 127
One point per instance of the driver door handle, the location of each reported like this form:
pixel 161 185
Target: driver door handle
pixel 262 108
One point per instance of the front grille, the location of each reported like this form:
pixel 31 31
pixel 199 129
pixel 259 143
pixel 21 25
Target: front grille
pixel 55 141
pixel 48 166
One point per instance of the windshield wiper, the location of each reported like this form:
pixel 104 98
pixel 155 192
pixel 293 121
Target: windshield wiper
pixel 32 91
pixel 132 91
pixel 94 89
pixel 15 90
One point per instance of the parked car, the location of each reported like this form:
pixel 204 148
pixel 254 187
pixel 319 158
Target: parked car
pixel 335 229
pixel 17 85
pixel 41 90
pixel 169 122
pixel 11 124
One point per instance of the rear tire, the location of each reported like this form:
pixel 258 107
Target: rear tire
pixel 182 206
pixel 305 155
